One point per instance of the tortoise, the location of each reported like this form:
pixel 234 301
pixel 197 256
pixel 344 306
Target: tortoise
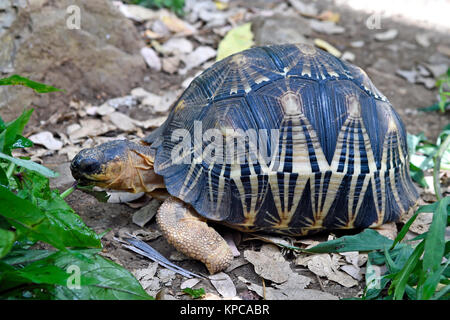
pixel 282 139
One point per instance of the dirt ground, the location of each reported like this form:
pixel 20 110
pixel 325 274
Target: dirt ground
pixel 380 59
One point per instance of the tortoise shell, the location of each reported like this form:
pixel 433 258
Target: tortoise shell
pixel 286 138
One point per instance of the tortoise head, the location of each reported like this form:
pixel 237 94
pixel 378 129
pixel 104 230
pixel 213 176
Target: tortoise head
pixel 118 165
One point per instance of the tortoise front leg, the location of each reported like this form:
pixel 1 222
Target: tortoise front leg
pixel 188 233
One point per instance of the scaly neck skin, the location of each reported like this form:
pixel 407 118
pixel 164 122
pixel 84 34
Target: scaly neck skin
pixel 134 173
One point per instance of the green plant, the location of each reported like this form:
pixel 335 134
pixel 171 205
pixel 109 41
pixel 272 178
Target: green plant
pixel 422 154
pixel 174 5
pixel 31 213
pixel 443 85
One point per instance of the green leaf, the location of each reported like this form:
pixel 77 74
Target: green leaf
pixel 30 165
pixel 417 175
pixel 195 293
pixel 9 136
pixel 100 279
pixel 101 196
pixel 434 250
pixel 25 256
pixel 19 80
pixel 398 284
pixel 404 230
pixel 367 240
pixel 22 142
pixel 236 40
pixel 58 225
pixel 7 239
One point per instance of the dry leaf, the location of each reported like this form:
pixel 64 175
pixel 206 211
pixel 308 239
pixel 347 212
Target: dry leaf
pixel 322 44
pixel 269 263
pixel 46 139
pixel 324 266
pixel 223 284
pixel 151 58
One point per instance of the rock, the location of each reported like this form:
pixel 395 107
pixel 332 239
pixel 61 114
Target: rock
pixel 46 139
pixel 101 57
pixel 327 27
pixel 390 34
pixel 280 29
pixel 151 58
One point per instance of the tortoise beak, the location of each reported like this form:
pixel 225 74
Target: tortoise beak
pixel 82 166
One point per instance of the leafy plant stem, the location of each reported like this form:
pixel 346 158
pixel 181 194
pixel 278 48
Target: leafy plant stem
pixel 67 192
pixel 10 170
pixel 437 166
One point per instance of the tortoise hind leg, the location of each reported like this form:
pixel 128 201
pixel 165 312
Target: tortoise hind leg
pixel 188 233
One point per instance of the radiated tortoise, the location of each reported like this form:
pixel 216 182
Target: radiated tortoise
pixel 283 138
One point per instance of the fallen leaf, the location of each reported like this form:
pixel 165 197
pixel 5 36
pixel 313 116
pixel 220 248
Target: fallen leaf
pixel 236 40
pixel 327 47
pixel 137 13
pixel 177 25
pixel 324 266
pixel 200 55
pixel 327 27
pixel 387 35
pixel 122 197
pixel 182 45
pixel 309 10
pixel 46 139
pixel 269 263
pixel 145 214
pixel 121 121
pixel 190 283
pixel 154 122
pixel 223 284
pixel 151 58
pixel 90 127
pixel 328 15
